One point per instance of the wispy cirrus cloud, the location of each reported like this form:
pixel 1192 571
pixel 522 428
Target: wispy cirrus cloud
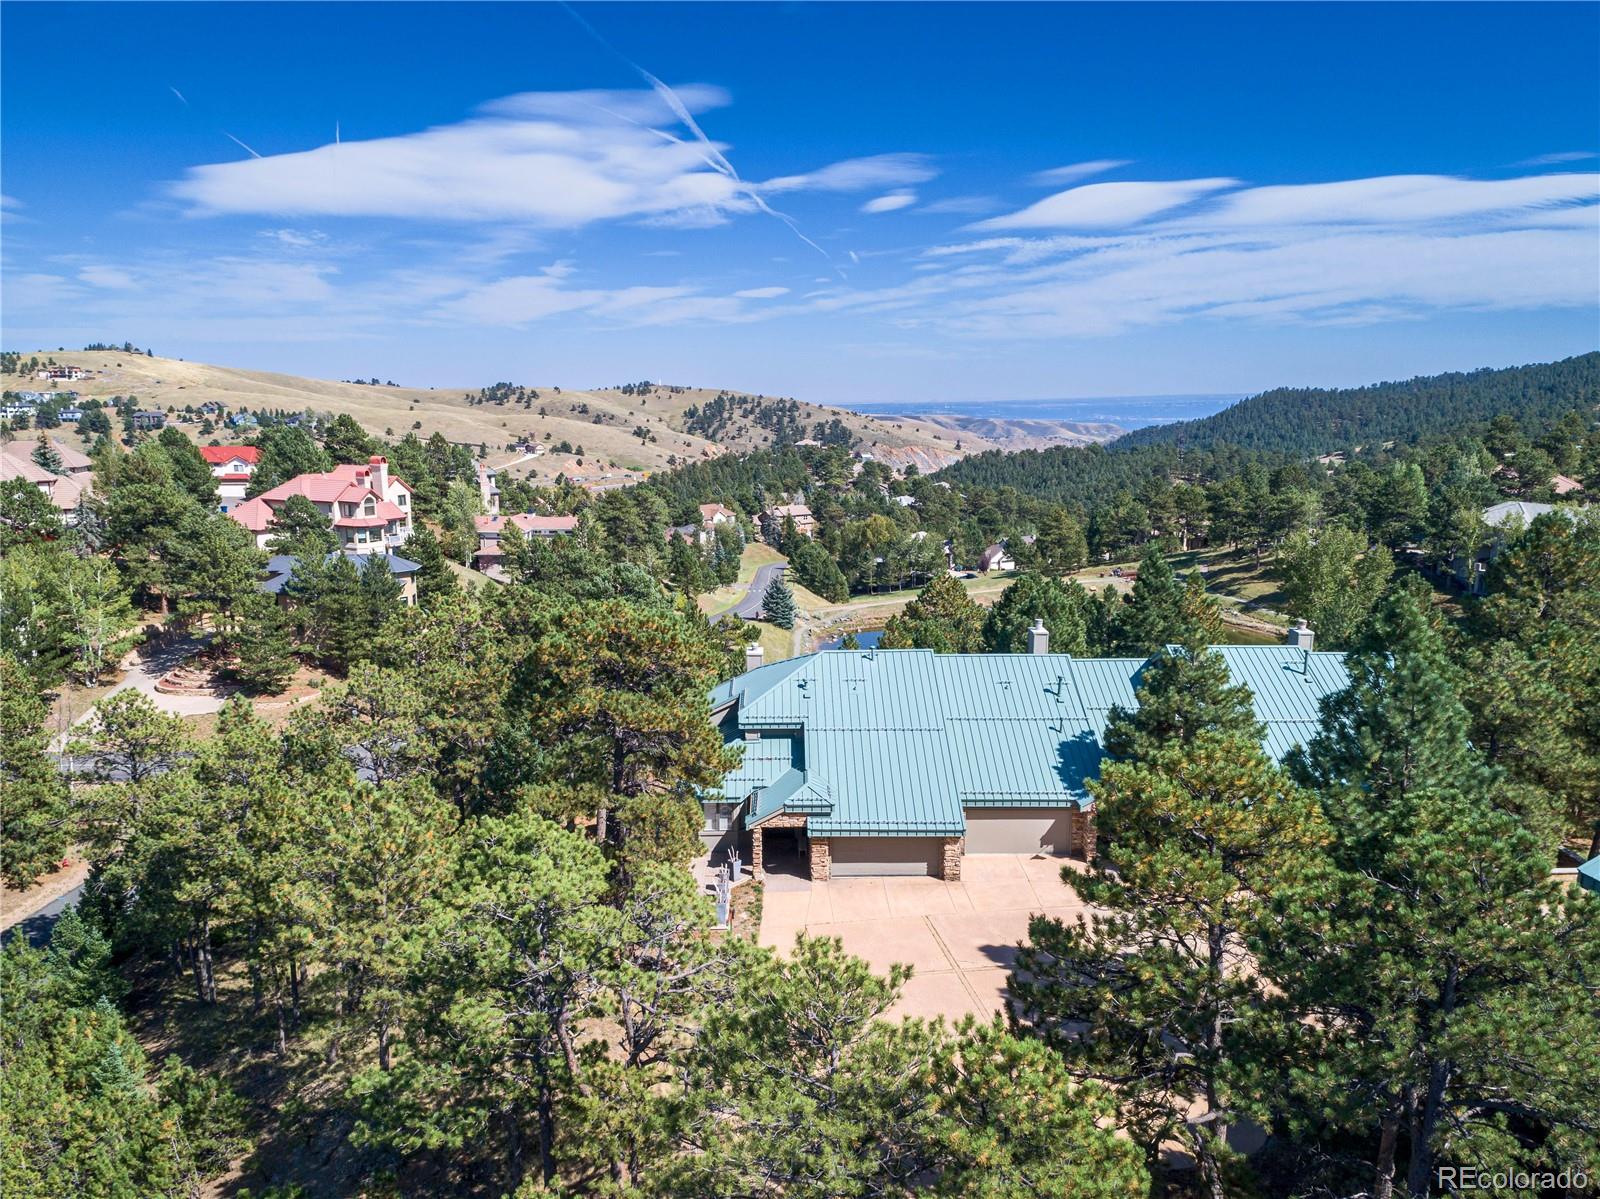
pixel 1106 205
pixel 1056 176
pixel 1548 160
pixel 892 202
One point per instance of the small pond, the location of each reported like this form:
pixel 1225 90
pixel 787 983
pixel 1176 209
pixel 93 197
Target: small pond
pixel 868 638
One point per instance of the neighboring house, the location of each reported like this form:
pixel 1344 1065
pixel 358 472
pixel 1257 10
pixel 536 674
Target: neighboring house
pixel 63 490
pixel 879 762
pixel 905 501
pixel 231 466
pixel 16 411
pixel 369 508
pixel 146 421
pixel 70 414
pixel 996 557
pixel 488 489
pixel 1565 485
pixel 772 521
pixel 489 529
pixel 61 374
pixel 712 515
pixel 1501 521
pixel 281 566
pixel 242 420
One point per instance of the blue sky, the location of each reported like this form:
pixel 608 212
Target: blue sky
pixel 840 202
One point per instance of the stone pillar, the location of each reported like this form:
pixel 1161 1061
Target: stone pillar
pixel 755 853
pixel 950 870
pixel 1083 839
pixel 821 859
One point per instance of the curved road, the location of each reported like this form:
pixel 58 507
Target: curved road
pixel 35 929
pixel 749 608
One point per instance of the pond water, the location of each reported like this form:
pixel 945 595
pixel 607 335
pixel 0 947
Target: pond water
pixel 868 638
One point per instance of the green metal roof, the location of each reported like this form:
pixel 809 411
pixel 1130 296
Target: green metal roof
pixel 1589 875
pixel 906 739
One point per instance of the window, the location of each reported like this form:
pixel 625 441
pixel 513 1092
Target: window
pixel 400 499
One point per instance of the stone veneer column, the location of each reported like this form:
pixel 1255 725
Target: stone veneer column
pixel 950 870
pixel 1084 834
pixel 755 853
pixel 821 859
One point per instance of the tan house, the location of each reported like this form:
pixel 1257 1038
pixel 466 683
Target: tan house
pixel 772 521
pixel 63 490
pixel 530 524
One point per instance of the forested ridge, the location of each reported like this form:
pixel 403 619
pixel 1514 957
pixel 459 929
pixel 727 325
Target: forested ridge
pixel 1298 421
pixel 1290 424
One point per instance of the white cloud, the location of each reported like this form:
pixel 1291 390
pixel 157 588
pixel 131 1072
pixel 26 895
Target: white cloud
pixel 1397 198
pixel 891 202
pixel 1056 176
pixel 1547 160
pixel 761 293
pixel 549 159
pixel 107 276
pixel 858 174
pixel 296 239
pixel 9 203
pixel 963 205
pixel 1106 205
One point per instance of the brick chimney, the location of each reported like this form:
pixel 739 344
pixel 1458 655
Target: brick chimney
pixel 754 655
pixel 1301 636
pixel 1038 637
pixel 378 468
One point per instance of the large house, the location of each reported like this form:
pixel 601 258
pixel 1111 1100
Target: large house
pixel 369 508
pixel 531 524
pixel 231 466
pixel 772 521
pixel 63 489
pixel 281 567
pixel 878 762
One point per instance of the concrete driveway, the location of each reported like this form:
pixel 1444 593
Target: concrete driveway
pixel 959 938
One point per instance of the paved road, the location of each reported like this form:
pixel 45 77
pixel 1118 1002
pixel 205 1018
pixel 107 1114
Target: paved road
pixel 37 927
pixel 749 608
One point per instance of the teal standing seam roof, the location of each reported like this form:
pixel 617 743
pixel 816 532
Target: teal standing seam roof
pixel 898 742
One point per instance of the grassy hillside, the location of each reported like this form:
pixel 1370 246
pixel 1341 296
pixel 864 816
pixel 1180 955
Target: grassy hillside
pixel 602 422
pixel 1304 421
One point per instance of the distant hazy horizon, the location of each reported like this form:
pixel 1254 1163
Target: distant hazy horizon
pixel 1130 412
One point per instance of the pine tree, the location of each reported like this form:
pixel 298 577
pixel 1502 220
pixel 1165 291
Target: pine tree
pixel 1203 836
pixel 1332 580
pixel 1062 607
pixel 34 805
pixel 777 606
pixel 1183 694
pixel 45 456
pixel 262 647
pixel 943 618
pixel 1477 975
pixel 436 582
pixel 301 530
pixel 1154 614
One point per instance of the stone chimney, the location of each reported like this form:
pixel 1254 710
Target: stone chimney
pixel 378 468
pixel 1301 636
pixel 1038 637
pixel 754 655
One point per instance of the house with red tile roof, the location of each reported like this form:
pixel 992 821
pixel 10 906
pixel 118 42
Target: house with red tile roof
pixel 531 524
pixel 369 508
pixel 231 466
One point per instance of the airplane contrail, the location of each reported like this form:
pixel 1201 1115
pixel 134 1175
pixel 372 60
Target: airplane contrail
pixel 178 94
pixel 230 136
pixel 713 157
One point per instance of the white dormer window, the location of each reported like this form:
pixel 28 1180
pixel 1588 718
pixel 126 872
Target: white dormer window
pixel 369 509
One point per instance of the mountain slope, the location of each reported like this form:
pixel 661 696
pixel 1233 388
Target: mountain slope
pixel 1305 421
pixel 603 422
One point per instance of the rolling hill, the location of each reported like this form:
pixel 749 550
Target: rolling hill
pixel 602 422
pixel 1303 421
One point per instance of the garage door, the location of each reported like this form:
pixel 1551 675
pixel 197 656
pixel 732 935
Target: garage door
pixel 886 855
pixel 1019 830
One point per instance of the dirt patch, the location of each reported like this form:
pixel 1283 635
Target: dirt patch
pixel 16 906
